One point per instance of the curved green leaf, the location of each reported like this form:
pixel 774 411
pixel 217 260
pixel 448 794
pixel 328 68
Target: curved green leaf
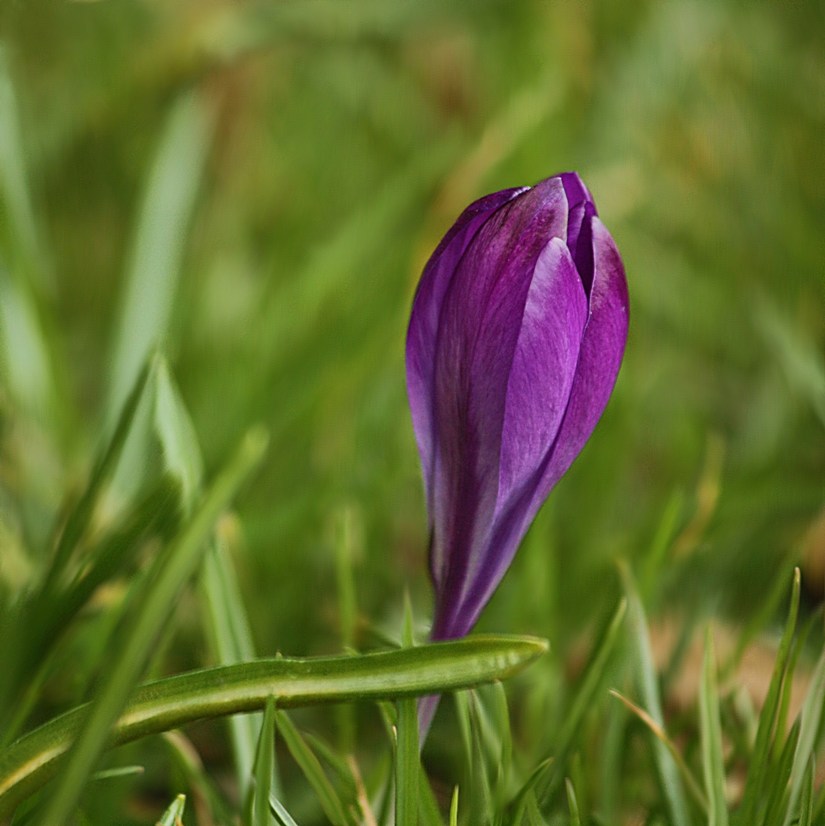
pixel 214 692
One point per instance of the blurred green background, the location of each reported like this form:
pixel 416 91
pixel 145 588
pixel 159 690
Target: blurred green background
pixel 258 185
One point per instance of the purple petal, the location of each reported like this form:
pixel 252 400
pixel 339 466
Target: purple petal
pixel 538 386
pixel 600 355
pixel 579 235
pixel 575 189
pixel 421 335
pixel 543 367
pixel 477 337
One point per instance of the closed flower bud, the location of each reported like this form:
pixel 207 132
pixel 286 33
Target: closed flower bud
pixel 516 336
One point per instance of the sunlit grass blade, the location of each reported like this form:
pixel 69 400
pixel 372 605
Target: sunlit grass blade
pixel 170 573
pixel 648 688
pixel 173 816
pixel 213 692
pixel 760 757
pixel 312 770
pixel 282 816
pixel 119 771
pixel 711 738
pixel 264 764
pixel 454 808
pixel 572 803
pixel 155 259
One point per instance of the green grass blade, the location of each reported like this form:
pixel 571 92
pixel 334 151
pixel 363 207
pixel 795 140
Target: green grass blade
pixel 572 803
pixel 28 633
pixel 819 807
pixel 340 768
pixel 24 349
pixel 658 732
pixel 176 434
pixel 648 688
pixel 407 765
pixel 155 258
pixel 501 726
pixel 344 541
pixel 612 754
pixel 346 532
pixel 173 815
pixel 662 541
pixel 80 516
pixel 799 357
pixel 203 791
pixel 776 781
pixel 711 738
pixel 25 346
pixel 278 809
pixel 806 800
pixel 428 813
pixel 171 571
pixel 481 796
pixel 760 758
pixel 454 808
pixel 264 766
pixel 225 614
pixel 214 692
pixel 407 761
pixel 311 767
pixel 532 814
pixel 231 642
pixel 18 230
pixel 762 618
pixel 810 720
pixel 120 771
pixel 46 620
pixel 548 781
pixel 461 700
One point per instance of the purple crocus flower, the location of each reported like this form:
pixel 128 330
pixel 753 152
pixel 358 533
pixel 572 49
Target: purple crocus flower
pixel 516 336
